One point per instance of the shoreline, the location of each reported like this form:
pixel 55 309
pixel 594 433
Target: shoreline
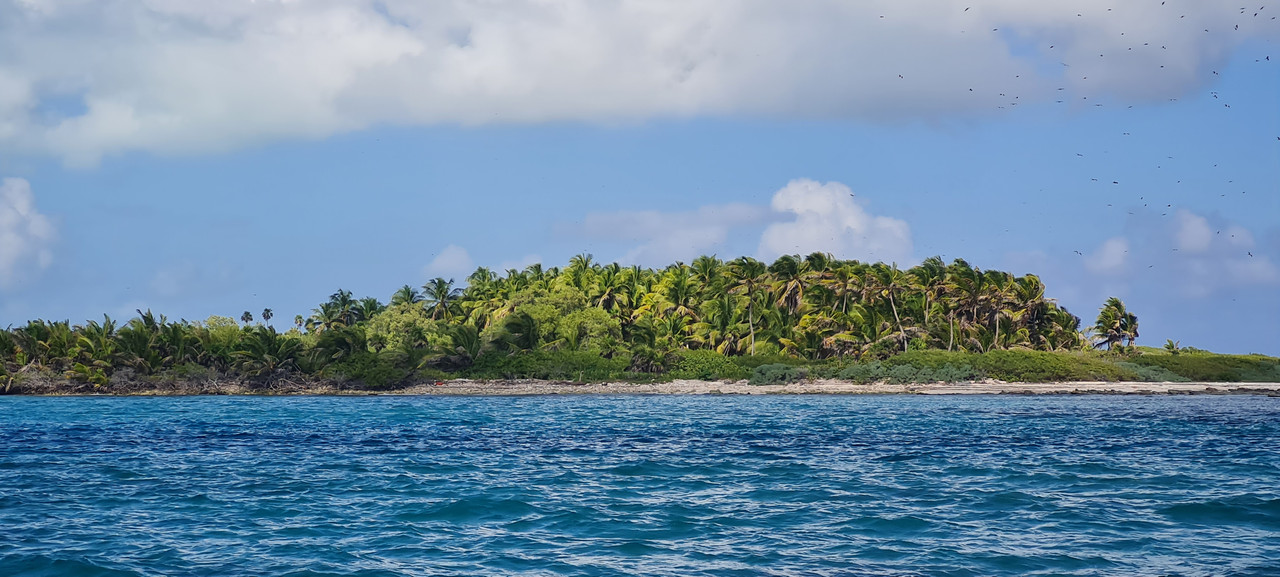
pixel 528 387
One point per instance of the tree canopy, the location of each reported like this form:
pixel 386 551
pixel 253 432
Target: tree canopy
pixel 812 307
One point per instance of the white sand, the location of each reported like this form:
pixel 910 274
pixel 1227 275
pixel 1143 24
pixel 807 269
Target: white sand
pixel 824 387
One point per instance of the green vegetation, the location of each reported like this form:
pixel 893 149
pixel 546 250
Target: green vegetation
pixel 794 319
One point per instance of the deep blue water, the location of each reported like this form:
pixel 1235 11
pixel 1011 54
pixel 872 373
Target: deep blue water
pixel 897 485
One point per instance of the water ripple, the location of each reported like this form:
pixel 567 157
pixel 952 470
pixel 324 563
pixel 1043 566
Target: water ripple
pixel 718 486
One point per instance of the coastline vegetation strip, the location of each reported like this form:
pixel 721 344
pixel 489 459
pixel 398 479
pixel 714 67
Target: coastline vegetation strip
pixel 811 317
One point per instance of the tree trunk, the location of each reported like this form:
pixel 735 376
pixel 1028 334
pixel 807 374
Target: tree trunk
pixel 951 338
pixel 902 335
pixel 996 343
pixel 751 323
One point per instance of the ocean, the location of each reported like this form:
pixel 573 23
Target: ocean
pixel 640 485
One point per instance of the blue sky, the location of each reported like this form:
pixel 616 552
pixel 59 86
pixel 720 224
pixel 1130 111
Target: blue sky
pixel 210 160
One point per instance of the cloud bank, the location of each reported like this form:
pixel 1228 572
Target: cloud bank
pixel 83 79
pixel 26 236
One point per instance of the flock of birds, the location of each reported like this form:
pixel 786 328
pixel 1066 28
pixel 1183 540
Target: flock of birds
pixel 1015 99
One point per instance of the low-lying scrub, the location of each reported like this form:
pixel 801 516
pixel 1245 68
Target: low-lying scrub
pixel 778 374
pixel 577 366
pixel 1152 373
pixel 707 366
pixel 1216 368
pixel 878 371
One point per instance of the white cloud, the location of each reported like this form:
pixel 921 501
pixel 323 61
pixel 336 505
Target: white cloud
pixel 80 79
pixel 1194 256
pixel 26 236
pixel 518 264
pixel 1193 234
pixel 452 262
pixel 829 219
pixel 1110 258
pixel 666 237
pixel 187 278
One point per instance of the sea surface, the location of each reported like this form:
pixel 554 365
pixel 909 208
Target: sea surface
pixel 603 485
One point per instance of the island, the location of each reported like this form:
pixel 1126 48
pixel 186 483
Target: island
pixel 802 324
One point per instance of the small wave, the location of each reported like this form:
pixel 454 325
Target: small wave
pixel 1248 510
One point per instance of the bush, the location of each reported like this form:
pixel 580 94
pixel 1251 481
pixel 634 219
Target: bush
pixel 955 374
pixel 750 362
pixel 777 374
pixel 1153 374
pixel 903 372
pixel 931 359
pixel 872 372
pixel 550 365
pixel 373 370
pixel 1199 366
pixel 706 365
pixel 1039 366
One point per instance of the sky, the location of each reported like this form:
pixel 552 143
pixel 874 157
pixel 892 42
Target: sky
pixel 201 158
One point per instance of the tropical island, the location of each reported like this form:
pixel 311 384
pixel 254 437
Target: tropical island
pixel 799 319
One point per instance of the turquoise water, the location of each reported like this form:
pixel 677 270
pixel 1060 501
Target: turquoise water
pixel 640 486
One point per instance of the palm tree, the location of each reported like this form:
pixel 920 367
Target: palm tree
pixel 246 317
pixel 366 308
pixel 789 283
pixel 406 295
pixel 707 272
pixel 930 278
pixel 441 298
pixel 677 294
pixel 721 327
pixel 843 282
pixel 747 276
pixel 889 283
pixel 1115 324
pixel 611 289
pixel 266 315
pixel 265 353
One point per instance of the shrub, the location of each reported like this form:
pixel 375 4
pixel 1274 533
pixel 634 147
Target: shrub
pixel 1199 366
pixel 931 359
pixel 955 374
pixel 1039 366
pixel 706 365
pixel 871 372
pixel 901 372
pixel 373 370
pixel 1153 373
pixel 550 365
pixel 750 362
pixel 777 374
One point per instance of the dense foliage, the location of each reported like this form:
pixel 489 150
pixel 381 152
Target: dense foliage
pixel 711 319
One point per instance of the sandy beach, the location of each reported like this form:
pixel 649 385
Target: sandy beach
pixel 827 387
pixel 517 387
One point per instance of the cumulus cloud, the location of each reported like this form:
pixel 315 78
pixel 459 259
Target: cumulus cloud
pixel 1192 234
pixel 453 261
pixel 665 237
pixel 26 236
pixel 518 264
pixel 1194 256
pixel 827 218
pixel 1112 257
pixel 81 79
